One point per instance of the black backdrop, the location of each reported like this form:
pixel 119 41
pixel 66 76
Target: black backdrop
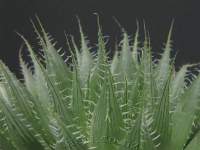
pixel 59 16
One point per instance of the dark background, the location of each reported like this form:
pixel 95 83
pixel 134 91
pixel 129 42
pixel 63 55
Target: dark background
pixel 59 16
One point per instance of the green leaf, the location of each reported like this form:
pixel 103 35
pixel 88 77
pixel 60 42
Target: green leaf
pixel 194 144
pixel 184 115
pixel 107 123
pixel 162 116
pixel 86 60
pixel 164 63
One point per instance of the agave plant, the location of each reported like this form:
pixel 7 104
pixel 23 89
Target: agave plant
pixel 132 102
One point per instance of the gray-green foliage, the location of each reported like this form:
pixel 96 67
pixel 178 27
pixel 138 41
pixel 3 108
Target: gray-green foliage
pixel 129 103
